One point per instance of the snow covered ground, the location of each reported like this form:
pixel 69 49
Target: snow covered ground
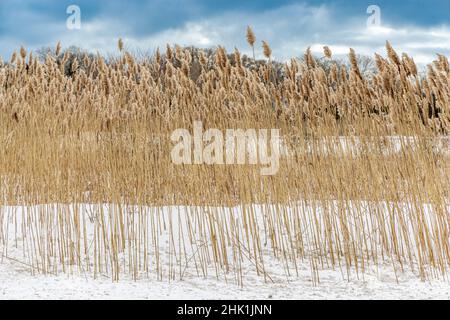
pixel 16 282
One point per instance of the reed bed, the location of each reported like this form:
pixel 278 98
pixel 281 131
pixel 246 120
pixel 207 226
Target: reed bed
pixel 88 186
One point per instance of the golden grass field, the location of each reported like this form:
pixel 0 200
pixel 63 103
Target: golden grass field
pixel 87 183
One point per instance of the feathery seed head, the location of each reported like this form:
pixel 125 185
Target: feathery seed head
pixel 327 52
pixel 58 49
pixel 266 49
pixel 13 57
pixel 392 54
pixel 120 44
pixel 169 52
pixel 251 39
pixel 23 52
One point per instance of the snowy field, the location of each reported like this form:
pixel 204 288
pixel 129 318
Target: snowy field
pixel 17 283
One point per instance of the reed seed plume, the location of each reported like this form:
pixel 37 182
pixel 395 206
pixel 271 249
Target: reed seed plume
pixel 266 50
pixel 354 63
pixel 309 58
pixel 443 63
pixel 120 44
pixel 74 66
pixel 23 53
pixel 251 39
pixel 169 53
pixel 327 52
pixel 392 54
pixel 13 57
pixel 158 56
pixel 58 49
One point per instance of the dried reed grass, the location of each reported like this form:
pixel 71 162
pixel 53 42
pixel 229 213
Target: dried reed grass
pixel 88 186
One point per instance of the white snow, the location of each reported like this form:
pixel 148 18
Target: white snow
pixel 19 281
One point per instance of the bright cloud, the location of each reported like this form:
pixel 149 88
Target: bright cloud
pixel 289 29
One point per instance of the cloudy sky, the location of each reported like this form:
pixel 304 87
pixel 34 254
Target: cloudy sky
pixel 418 27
